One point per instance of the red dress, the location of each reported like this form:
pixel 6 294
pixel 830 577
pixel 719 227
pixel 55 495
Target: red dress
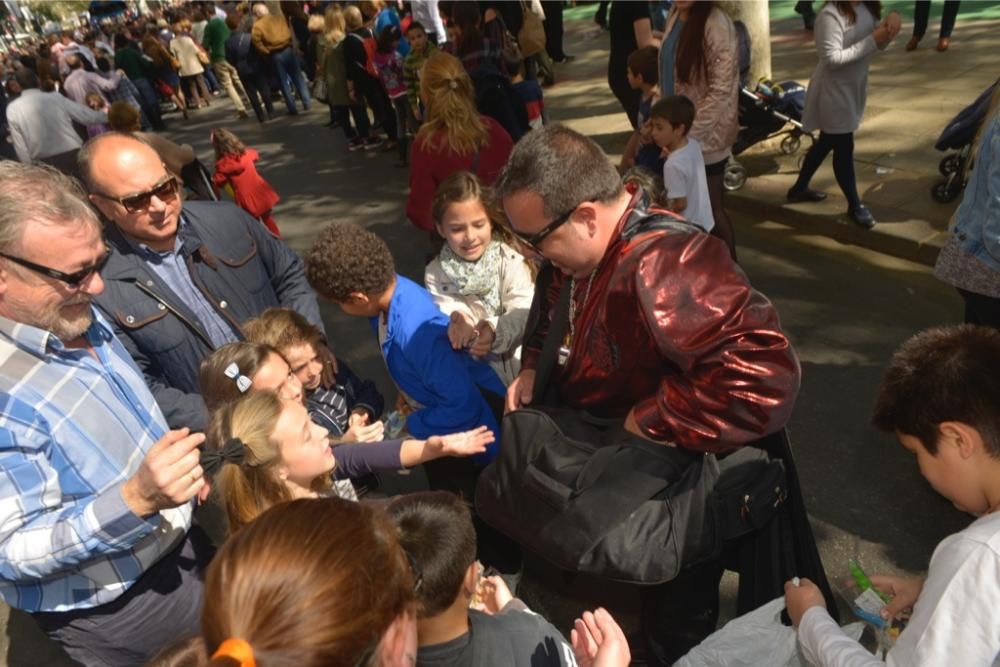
pixel 429 167
pixel 251 192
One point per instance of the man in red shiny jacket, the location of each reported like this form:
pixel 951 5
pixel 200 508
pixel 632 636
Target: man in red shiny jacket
pixel 665 332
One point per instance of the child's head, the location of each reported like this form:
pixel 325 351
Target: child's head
pixel 226 143
pixel 236 369
pixel 334 24
pixel 464 215
pixel 123 117
pixel 436 532
pixel 312 582
pixel 670 120
pixel 649 182
pixel 95 101
pixel 416 35
pixel 940 396
pixel 388 39
pixel 353 17
pixel 297 340
pixel 270 451
pixel 644 67
pixel 351 267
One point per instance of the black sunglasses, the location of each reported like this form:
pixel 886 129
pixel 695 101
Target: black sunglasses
pixel 165 190
pixel 72 279
pixel 534 240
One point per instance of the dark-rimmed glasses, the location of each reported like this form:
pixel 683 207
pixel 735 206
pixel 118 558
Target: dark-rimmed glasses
pixel 165 190
pixel 72 279
pixel 534 240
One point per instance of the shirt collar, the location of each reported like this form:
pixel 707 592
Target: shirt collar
pixel 157 256
pixel 40 342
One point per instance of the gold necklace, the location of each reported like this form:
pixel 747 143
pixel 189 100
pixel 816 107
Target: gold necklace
pixel 567 345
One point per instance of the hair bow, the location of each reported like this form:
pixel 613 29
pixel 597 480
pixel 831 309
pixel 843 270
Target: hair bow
pixel 453 84
pixel 238 650
pixel 234 451
pixel 242 381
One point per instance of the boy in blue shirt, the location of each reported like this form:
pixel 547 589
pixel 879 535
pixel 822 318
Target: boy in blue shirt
pixel 442 390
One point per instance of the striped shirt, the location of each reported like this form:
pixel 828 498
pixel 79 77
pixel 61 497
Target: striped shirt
pixel 73 429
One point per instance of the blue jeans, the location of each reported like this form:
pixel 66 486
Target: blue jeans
pixel 287 66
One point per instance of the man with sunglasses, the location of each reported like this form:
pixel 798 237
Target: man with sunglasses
pixel 96 495
pixel 665 332
pixel 182 276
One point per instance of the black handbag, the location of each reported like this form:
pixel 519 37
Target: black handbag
pixel 590 497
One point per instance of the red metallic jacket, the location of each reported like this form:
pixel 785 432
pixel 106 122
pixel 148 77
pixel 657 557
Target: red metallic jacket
pixel 673 329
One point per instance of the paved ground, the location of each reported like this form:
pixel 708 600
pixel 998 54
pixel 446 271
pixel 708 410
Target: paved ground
pixel 845 307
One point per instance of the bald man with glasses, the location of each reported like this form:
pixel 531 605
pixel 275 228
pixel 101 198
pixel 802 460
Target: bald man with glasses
pixel 182 276
pixel 96 494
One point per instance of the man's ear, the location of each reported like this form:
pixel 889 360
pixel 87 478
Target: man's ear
pixel 587 214
pixel 102 205
pixel 359 298
pixel 965 438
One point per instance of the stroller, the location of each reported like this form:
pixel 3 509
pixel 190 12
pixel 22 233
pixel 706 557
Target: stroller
pixel 765 112
pixel 958 135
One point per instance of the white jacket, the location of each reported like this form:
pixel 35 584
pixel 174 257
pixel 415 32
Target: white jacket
pixel 517 288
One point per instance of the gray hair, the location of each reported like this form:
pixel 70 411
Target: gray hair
pixel 38 194
pixel 85 157
pixel 562 166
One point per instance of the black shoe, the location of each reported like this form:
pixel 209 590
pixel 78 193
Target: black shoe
pixel 805 195
pixel 565 59
pixel 862 216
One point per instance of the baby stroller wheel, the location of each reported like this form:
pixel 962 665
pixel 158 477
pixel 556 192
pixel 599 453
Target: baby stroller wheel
pixel 949 164
pixel 734 177
pixel 948 190
pixel 790 144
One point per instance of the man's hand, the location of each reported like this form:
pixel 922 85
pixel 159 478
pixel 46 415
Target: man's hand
pixel 904 592
pixel 521 391
pixel 169 476
pixel 484 343
pixel 799 599
pixel 461 330
pixel 598 641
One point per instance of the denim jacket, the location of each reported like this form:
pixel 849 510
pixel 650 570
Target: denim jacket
pixel 977 221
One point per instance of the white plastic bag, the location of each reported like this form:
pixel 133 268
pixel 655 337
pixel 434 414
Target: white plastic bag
pixel 755 639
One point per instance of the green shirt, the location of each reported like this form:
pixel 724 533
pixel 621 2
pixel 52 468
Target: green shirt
pixel 214 41
pixel 131 62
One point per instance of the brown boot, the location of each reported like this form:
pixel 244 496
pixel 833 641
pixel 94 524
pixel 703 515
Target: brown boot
pixel 912 44
pixel 943 44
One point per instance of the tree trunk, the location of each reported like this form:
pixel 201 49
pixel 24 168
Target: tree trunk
pixel 754 15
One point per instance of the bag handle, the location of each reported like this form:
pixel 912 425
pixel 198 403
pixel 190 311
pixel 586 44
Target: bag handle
pixel 550 347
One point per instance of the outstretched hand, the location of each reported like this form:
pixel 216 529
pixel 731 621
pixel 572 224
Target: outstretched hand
pixel 466 443
pixel 598 641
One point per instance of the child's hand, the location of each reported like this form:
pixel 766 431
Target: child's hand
pixel 461 330
pixel 598 641
pixel 904 592
pixel 799 599
pixel 358 418
pixel 365 433
pixel 493 595
pixel 461 444
pixel 484 342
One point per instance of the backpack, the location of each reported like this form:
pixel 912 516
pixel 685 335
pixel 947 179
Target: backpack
pixel 368 41
pixel 497 98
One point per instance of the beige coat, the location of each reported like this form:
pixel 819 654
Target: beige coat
pixel 517 288
pixel 716 96
pixel 186 52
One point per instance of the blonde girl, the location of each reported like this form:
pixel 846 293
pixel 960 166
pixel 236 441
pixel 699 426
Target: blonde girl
pixel 479 279
pixel 454 137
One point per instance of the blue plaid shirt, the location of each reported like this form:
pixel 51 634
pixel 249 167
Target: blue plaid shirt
pixel 73 429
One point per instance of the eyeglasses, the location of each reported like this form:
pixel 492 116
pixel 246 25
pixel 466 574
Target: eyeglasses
pixel 534 240
pixel 165 190
pixel 72 279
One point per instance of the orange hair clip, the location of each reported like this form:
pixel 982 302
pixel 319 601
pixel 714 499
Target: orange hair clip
pixel 237 649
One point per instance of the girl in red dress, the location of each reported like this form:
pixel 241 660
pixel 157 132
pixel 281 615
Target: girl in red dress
pixel 234 164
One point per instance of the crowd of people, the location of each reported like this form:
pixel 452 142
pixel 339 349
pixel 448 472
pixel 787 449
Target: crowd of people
pixel 163 360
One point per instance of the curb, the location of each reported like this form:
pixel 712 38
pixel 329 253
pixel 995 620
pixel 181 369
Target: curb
pixel 913 240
